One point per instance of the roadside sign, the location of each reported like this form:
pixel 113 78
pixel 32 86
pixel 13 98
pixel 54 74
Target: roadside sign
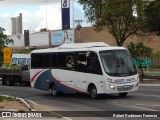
pixel 144 62
pixel 7 55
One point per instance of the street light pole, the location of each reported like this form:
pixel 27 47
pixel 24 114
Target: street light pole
pixel 46 14
pixel 73 17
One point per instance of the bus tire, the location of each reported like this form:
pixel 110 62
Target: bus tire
pixel 9 81
pixel 54 90
pixel 93 92
pixel 123 94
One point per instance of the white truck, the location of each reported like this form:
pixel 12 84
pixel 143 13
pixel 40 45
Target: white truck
pixel 19 72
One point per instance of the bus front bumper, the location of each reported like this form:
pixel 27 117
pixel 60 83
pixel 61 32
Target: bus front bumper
pixel 120 88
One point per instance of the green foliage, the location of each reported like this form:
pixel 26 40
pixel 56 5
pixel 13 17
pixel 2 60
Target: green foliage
pixel 12 67
pixel 2 98
pixel 156 54
pixel 115 16
pixel 139 50
pixel 152 16
pixel 1 58
pixel 4 41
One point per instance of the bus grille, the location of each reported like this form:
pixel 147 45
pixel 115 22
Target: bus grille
pixel 119 81
pixel 125 87
pixel 131 80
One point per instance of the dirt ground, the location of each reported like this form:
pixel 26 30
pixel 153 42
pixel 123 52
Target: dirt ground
pixel 13 106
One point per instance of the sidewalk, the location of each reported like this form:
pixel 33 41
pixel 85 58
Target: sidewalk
pixel 10 109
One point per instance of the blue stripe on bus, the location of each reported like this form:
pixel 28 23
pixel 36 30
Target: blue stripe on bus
pixel 46 77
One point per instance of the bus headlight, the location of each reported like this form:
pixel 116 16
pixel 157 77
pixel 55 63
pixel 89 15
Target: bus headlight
pixel 112 86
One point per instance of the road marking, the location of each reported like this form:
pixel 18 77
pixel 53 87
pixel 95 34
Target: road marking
pixel 67 118
pixel 149 95
pixel 148 105
pixel 148 109
pixel 32 102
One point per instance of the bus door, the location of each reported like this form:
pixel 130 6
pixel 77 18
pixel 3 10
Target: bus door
pixel 81 65
pixel 94 71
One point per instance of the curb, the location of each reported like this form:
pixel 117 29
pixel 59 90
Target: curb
pixel 149 85
pixel 22 100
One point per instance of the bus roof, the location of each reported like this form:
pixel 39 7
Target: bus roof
pixel 83 45
pixel 95 46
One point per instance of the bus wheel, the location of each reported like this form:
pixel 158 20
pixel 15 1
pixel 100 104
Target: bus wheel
pixel 123 94
pixel 9 81
pixel 93 92
pixel 54 90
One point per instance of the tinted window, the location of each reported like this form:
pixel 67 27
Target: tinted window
pixel 66 60
pixel 118 62
pixel 22 61
pixel 93 65
pixel 43 60
pixel 14 60
pixel 37 60
pixel 81 61
pixel 50 60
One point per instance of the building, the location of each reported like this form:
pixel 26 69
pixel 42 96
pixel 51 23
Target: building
pixel 40 40
pixel 17 24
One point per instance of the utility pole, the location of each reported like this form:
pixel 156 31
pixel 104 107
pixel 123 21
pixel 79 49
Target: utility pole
pixel 78 22
pixel 46 1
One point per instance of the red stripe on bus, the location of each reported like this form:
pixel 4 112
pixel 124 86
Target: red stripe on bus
pixel 66 85
pixel 36 75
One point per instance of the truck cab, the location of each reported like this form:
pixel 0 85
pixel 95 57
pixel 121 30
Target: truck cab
pixel 20 59
pixel 18 72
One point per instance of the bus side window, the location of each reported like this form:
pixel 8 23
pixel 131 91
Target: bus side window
pixel 37 60
pixel 93 64
pixel 81 61
pixel 47 60
pixel 53 60
pixel 66 60
pixel 14 60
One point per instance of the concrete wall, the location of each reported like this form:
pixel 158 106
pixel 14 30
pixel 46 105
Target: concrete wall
pixel 39 39
pixel 85 34
pixel 88 34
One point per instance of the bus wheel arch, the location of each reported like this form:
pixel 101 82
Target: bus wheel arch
pixel 92 90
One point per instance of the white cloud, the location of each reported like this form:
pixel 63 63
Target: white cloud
pixel 26 2
pixel 36 19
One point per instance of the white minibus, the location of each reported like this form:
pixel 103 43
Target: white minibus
pixel 93 68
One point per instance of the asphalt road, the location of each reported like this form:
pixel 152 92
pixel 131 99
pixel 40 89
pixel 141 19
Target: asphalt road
pixel 146 99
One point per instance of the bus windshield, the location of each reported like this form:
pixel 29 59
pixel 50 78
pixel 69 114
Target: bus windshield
pixel 118 63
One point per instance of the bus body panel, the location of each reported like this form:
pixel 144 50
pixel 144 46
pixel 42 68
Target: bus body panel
pixel 98 80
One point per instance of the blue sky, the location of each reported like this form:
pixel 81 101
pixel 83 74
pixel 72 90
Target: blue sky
pixel 34 14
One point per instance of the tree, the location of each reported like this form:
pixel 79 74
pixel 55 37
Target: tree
pixel 152 16
pixel 116 16
pixel 138 51
pixel 4 41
